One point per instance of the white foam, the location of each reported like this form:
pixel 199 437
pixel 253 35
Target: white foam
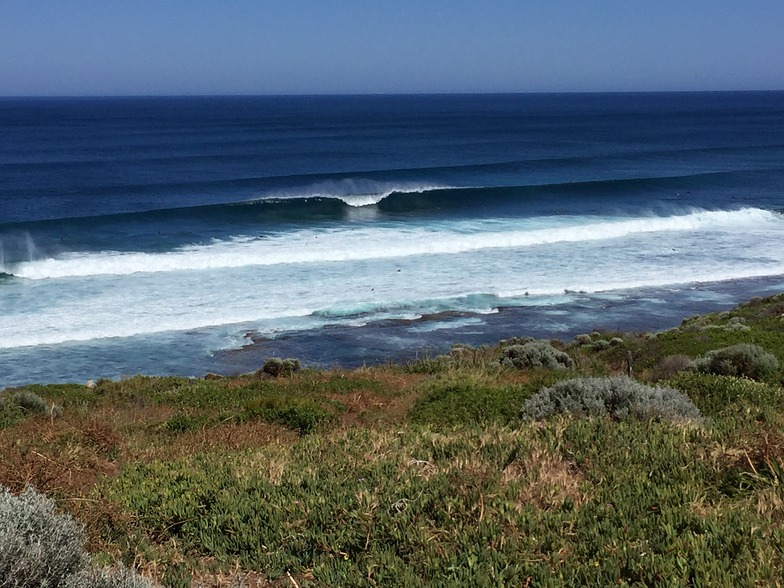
pixel 400 240
pixel 634 281
pixel 241 290
pixel 358 192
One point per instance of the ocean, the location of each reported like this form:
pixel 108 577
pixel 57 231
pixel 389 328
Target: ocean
pixel 187 235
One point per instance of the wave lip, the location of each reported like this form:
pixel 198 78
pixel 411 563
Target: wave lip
pixel 355 192
pixel 383 242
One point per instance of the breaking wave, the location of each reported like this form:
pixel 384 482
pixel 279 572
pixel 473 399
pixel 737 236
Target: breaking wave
pixel 388 241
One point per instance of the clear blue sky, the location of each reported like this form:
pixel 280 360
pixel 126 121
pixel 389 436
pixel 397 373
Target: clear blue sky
pixel 110 47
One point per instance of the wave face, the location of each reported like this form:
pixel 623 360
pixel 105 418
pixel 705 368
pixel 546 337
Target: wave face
pixel 151 234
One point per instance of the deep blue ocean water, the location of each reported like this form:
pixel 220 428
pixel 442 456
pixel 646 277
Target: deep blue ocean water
pixel 193 235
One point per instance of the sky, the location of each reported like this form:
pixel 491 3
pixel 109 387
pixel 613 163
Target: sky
pixel 195 47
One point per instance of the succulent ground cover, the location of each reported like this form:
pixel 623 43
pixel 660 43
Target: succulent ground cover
pixel 431 473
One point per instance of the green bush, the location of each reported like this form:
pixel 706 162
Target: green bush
pixel 534 355
pixel 16 404
pixel 744 360
pixel 29 401
pixel 618 397
pixel 276 366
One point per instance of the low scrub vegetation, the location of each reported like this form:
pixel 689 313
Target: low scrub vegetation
pixel 15 405
pixel 529 463
pixel 744 360
pixel 280 367
pixel 535 355
pixel 617 397
pixel 40 547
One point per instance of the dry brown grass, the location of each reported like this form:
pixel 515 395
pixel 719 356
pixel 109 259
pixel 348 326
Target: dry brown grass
pixel 58 457
pixel 544 479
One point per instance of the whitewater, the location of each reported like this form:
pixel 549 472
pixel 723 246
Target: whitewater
pixel 381 229
pixel 389 242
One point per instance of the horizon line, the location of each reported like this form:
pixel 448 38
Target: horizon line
pixel 382 94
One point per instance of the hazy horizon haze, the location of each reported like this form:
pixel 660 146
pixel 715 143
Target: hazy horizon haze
pixel 87 48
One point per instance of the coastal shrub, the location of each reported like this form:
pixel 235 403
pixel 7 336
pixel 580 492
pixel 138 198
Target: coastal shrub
pixel 744 360
pixel 16 405
pixel 29 401
pixel 19 403
pixel 583 339
pixel 534 355
pixel 618 397
pixel 600 345
pixel 616 342
pixel 737 321
pixel 276 366
pixel 38 546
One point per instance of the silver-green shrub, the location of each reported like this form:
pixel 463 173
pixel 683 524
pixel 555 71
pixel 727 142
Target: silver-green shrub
pixel 743 360
pixel 38 546
pixel 29 401
pixel 535 354
pixel 618 397
pixel 583 339
pixel 41 548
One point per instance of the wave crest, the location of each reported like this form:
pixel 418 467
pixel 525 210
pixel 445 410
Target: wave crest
pixel 355 192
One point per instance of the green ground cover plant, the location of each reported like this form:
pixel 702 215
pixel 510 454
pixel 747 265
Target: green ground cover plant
pixel 716 394
pixel 466 399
